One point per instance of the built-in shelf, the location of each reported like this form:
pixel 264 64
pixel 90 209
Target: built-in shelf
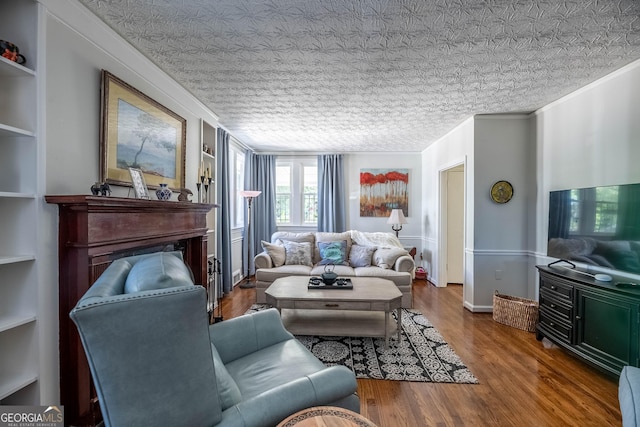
pixel 17 195
pixel 208 156
pixel 15 321
pixel 12 259
pixel 10 387
pixel 6 130
pixel 20 151
pixel 10 68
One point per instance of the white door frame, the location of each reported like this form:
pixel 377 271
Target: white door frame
pixel 442 225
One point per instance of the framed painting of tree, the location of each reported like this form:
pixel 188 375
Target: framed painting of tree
pixel 138 132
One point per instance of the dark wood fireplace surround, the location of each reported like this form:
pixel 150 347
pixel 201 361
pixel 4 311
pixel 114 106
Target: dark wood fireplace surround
pixel 93 232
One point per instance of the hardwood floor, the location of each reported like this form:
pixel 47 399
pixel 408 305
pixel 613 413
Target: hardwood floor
pixel 522 381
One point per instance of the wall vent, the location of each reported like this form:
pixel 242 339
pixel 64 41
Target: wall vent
pixel 237 276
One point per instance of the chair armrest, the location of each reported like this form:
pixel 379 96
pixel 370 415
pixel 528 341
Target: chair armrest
pixel 629 395
pixel 272 406
pixel 405 264
pixel 263 260
pixel 247 334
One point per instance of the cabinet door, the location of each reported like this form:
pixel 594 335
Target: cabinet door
pixel 607 329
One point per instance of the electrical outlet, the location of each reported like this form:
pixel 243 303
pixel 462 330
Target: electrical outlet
pixel 498 274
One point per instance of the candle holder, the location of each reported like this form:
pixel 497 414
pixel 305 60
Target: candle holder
pixel 209 198
pixel 202 183
pixel 198 186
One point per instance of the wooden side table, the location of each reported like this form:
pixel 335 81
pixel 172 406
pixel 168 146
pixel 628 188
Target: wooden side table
pixel 411 250
pixel 326 416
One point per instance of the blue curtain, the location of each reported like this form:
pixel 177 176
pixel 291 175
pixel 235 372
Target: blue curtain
pixel 259 174
pixel 332 215
pixel 223 225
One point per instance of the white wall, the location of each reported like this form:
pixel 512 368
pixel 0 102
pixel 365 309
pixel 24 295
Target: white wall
pixel 589 138
pixel 455 148
pixel 410 235
pixel 491 148
pixel 77 47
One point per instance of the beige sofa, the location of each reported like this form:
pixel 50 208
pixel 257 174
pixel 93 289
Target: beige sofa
pixel 350 254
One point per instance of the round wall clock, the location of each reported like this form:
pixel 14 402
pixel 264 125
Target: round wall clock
pixel 501 192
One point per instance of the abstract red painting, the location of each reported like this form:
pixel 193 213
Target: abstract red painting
pixel 382 190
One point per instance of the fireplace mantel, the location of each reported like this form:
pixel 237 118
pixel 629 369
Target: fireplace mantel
pixel 93 232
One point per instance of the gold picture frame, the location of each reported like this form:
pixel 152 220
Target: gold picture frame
pixel 138 132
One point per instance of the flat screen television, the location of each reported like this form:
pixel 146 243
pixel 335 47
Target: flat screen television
pixel 598 226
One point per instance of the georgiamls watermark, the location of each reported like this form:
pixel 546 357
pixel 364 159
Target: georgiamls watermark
pixel 31 416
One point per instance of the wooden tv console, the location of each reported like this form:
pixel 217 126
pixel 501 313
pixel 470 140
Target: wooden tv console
pixel 597 321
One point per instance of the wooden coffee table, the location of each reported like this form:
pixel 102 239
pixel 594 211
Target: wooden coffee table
pixel 363 311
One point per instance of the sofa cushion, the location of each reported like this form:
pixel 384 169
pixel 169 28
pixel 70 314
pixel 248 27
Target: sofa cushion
pixel 227 388
pixel 297 253
pixel 268 275
pixel 386 257
pixel 276 252
pixel 360 256
pixel 272 366
pixel 397 277
pixel 333 252
pixel 158 271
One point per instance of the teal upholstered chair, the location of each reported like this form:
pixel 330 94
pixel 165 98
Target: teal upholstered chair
pixel 629 396
pixel 155 360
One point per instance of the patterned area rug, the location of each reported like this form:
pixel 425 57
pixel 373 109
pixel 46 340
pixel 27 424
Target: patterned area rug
pixel 422 354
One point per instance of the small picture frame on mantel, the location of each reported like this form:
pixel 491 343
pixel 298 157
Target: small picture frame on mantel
pixel 139 187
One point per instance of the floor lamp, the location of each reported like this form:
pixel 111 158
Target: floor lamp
pixel 249 195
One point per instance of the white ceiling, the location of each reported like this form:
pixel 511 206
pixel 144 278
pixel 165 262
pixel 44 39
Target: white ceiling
pixel 374 75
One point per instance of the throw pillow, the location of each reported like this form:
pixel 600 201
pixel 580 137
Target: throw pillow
pixel 276 252
pixel 158 271
pixel 360 256
pixel 333 253
pixel 386 257
pixel 328 237
pixel 297 253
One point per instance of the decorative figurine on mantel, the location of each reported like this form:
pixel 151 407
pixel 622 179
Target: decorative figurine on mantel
pixel 101 189
pixel 184 195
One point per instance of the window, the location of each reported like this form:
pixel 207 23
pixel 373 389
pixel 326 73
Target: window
pixel 297 191
pixel 283 194
pixel 236 181
pixel 310 194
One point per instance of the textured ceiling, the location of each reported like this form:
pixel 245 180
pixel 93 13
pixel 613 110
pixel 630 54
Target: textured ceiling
pixel 374 75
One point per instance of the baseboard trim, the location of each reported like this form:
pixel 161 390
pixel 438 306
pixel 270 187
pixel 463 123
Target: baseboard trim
pixel 478 308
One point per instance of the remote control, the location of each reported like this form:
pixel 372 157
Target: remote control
pixel 627 285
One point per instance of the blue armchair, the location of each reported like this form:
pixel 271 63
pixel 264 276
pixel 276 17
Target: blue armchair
pixel 155 360
pixel 629 396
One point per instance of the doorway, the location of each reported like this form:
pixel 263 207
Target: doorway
pixel 452 225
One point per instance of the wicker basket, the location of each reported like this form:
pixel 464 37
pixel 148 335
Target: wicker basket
pixel 517 312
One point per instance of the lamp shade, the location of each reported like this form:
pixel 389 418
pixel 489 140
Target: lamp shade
pixel 250 193
pixel 397 217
